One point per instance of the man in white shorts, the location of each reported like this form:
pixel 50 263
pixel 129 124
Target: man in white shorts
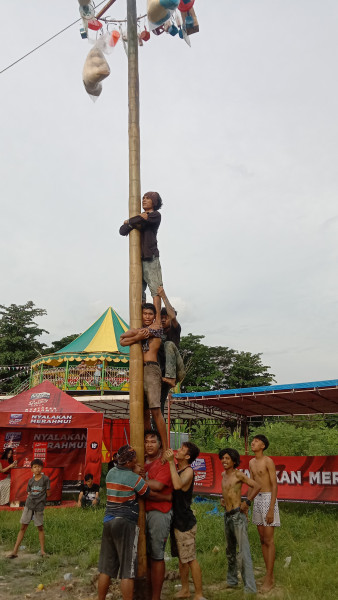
pixel 265 512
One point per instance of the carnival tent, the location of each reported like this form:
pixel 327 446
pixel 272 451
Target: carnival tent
pixel 45 422
pixel 99 344
pixel 101 341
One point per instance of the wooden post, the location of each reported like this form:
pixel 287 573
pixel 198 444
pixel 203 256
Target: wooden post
pixel 135 275
pixel 246 436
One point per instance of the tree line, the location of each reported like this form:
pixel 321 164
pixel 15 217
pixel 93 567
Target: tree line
pixel 208 367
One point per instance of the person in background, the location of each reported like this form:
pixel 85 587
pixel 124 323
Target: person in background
pixel 7 463
pixel 98 373
pixel 235 520
pixel 89 492
pixel 82 373
pixel 265 512
pixel 38 489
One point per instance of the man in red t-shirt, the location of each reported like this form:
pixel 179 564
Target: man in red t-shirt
pixel 158 514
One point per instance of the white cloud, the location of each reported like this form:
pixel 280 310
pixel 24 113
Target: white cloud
pixel 239 134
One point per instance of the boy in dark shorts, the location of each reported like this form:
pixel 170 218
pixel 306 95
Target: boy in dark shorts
pixel 38 489
pixel 265 512
pixel 89 492
pixel 184 520
pixel 148 223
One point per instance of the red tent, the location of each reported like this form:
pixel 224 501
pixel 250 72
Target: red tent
pixel 46 423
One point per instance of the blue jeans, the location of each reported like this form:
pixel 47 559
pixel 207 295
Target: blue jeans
pixel 236 532
pixel 151 276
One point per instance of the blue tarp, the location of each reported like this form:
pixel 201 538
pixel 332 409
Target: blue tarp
pixel 264 388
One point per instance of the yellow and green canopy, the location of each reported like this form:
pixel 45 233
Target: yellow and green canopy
pixel 100 342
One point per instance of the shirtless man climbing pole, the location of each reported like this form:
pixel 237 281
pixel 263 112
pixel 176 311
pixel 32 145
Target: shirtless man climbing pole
pixel 150 337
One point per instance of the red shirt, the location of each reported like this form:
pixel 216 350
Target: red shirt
pixel 155 470
pixel 4 463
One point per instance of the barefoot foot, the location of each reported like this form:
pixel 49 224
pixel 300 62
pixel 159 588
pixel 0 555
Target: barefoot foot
pixel 183 594
pixel 267 585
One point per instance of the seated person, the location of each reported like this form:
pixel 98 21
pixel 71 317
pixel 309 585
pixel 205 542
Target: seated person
pixel 89 492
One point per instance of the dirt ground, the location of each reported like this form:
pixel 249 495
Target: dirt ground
pixel 20 575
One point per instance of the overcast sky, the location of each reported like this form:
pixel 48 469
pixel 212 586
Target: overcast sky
pixel 239 134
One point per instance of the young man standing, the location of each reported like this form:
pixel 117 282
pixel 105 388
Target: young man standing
pixel 148 223
pixel 150 337
pixel 235 520
pixel 158 514
pixel 184 520
pixel 265 512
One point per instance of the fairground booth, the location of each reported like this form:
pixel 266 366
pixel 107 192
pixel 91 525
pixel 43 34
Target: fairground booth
pixel 94 362
pixel 46 423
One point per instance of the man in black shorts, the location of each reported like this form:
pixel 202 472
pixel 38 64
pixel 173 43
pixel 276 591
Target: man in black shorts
pixel 120 531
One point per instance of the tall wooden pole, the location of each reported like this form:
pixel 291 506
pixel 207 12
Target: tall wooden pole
pixel 135 269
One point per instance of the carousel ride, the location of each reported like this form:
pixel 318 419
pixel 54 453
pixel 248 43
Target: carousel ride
pixel 93 362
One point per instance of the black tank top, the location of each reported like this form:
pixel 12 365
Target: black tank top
pixel 184 519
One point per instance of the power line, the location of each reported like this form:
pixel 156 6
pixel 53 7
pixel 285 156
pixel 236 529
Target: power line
pixel 44 43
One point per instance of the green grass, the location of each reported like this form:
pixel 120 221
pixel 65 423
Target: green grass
pixel 308 534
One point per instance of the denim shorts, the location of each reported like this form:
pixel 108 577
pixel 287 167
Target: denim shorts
pixel 152 275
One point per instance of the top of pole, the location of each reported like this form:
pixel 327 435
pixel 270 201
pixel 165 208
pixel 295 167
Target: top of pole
pixel 105 8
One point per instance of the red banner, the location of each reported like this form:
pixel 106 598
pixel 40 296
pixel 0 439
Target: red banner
pixel 40 451
pixel 20 478
pixel 302 478
pixel 116 433
pixel 65 448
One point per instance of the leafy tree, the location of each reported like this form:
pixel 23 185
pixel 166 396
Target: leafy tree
pixel 58 344
pixel 247 370
pixel 18 337
pixel 220 367
pixel 202 371
pixel 286 439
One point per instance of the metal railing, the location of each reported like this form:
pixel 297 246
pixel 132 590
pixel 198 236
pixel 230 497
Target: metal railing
pixel 88 378
pixel 24 385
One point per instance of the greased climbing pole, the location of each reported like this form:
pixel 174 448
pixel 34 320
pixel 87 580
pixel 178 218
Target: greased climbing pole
pixel 135 272
pixel 162 17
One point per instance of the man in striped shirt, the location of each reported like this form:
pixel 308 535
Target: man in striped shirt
pixel 120 531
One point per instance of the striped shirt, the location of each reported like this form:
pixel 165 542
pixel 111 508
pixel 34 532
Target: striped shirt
pixel 123 486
